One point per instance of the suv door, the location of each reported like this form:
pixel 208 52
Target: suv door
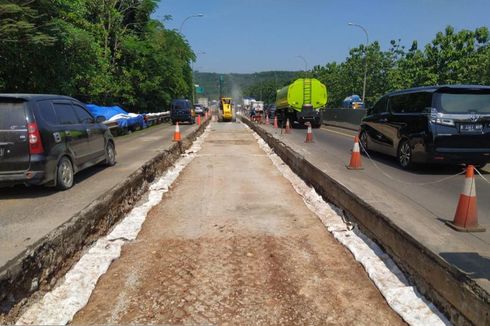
pixel 14 146
pixel 95 131
pixel 75 134
pixel 375 125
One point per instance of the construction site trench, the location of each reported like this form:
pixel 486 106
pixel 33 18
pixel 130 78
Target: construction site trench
pixel 232 241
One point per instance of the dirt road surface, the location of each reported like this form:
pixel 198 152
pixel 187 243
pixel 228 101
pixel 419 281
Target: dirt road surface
pixel 232 243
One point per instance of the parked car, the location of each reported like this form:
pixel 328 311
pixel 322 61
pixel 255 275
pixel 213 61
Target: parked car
pixel 181 110
pixel 442 124
pixel 199 109
pixel 47 139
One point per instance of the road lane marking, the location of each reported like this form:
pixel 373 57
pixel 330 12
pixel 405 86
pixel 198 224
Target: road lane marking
pixel 338 132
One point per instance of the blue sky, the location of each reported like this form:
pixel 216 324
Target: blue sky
pixel 246 36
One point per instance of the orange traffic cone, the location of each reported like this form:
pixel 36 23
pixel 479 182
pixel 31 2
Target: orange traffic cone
pixel 309 134
pixel 177 133
pixel 267 122
pixel 466 217
pixel 288 130
pixel 198 119
pixel 355 160
pixel 275 122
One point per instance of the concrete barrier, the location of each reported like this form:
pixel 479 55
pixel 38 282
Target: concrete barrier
pixel 462 300
pixel 42 264
pixel 345 118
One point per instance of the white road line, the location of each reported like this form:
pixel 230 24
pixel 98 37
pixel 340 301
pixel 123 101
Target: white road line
pixel 338 132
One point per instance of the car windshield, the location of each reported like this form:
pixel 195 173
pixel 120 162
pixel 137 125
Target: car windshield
pixel 464 103
pixel 12 116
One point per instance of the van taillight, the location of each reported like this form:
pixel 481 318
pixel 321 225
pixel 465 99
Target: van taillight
pixel 35 144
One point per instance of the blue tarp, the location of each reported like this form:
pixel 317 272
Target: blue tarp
pixel 124 121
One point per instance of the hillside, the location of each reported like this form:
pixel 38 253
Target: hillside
pixel 239 85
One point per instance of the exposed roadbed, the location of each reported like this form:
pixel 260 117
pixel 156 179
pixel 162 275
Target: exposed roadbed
pixel 462 298
pixel 242 248
pixel 38 267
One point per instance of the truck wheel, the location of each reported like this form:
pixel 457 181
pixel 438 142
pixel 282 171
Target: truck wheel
pixel 64 174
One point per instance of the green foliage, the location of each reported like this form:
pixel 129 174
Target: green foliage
pixel 103 51
pixel 112 52
pixel 451 58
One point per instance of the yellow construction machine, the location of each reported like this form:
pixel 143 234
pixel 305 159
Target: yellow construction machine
pixel 226 110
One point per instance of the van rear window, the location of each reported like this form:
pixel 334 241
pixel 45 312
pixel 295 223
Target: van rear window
pixel 12 116
pixel 465 103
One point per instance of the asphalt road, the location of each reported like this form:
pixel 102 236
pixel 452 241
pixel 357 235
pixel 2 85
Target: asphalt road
pixel 29 213
pixel 419 201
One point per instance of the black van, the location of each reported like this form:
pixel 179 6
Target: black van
pixel 46 139
pixel 181 110
pixel 445 124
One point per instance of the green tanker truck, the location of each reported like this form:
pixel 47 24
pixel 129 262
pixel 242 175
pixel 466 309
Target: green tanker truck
pixel 301 101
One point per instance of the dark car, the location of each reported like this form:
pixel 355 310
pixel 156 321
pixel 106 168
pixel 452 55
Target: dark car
pixel 441 124
pixel 181 110
pixel 47 139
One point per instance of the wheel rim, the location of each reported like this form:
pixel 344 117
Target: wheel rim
pixel 364 141
pixel 66 173
pixel 110 153
pixel 405 154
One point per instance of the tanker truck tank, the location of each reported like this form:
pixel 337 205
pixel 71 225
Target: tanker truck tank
pixel 301 101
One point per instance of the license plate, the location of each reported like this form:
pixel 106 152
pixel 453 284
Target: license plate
pixel 471 127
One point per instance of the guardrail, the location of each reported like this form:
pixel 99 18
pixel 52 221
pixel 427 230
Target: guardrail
pixel 156 118
pixel 150 120
pixel 345 118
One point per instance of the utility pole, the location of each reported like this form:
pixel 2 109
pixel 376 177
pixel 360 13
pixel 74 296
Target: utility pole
pixel 365 59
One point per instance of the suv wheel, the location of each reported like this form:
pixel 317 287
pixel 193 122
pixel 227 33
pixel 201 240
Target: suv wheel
pixel 110 154
pixel 405 155
pixel 363 141
pixel 64 174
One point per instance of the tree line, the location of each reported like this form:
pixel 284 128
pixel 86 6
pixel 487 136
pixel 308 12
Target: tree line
pixel 452 57
pixel 102 51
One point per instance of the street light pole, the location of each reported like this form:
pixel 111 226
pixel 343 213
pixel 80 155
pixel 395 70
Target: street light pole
pixel 193 84
pixel 365 58
pixel 186 19
pixel 306 64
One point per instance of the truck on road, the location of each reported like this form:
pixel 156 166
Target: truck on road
pixel 301 101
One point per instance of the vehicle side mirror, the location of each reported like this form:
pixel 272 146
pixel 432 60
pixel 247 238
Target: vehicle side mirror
pixel 100 119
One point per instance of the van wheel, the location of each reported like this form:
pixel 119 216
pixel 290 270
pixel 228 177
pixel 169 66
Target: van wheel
pixel 110 154
pixel 404 155
pixel 64 174
pixel 363 141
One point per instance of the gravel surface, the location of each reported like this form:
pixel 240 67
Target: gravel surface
pixel 232 243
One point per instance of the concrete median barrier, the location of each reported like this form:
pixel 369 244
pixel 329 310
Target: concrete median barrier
pixel 344 118
pixel 37 269
pixel 454 293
